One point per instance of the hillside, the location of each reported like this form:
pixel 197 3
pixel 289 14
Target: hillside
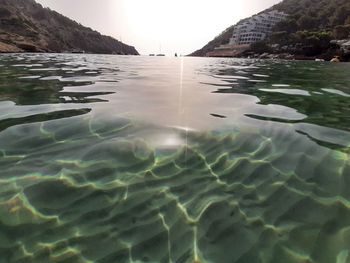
pixel 312 24
pixel 221 39
pixel 316 14
pixel 25 26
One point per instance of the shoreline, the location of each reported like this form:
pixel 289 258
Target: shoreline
pixel 71 53
pixel 282 56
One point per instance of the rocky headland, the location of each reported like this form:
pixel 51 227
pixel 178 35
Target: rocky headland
pixel 25 26
pixel 313 30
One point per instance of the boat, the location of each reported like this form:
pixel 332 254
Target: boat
pixel 151 55
pixel 160 54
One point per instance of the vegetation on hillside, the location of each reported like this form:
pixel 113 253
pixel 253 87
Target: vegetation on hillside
pixel 315 14
pixel 26 26
pixel 311 26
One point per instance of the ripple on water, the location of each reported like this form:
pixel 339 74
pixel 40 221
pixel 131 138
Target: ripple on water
pixel 51 78
pixel 45 69
pixel 261 75
pixel 267 180
pixel 280 85
pixel 257 80
pixel 289 91
pixel 337 92
pixel 30 77
pixel 276 112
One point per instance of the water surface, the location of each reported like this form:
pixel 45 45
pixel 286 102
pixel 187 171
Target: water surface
pixel 148 159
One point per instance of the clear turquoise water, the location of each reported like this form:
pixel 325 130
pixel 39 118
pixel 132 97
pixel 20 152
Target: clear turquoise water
pixel 138 159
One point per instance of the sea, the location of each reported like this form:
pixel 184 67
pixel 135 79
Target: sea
pixel 134 159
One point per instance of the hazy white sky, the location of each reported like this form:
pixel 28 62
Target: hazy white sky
pixel 181 26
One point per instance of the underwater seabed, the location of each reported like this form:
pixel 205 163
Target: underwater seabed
pixel 108 193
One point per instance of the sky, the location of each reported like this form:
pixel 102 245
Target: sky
pixel 159 26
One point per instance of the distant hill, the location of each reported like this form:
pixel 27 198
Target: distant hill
pixel 25 26
pixel 309 21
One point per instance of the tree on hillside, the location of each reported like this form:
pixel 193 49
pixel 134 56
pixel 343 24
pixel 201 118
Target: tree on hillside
pixel 347 21
pixel 289 25
pixel 341 15
pixel 341 32
pixel 307 23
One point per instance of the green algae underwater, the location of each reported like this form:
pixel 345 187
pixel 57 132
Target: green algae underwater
pixel 134 159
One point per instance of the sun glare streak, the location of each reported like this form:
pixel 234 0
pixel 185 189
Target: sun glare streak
pixel 180 110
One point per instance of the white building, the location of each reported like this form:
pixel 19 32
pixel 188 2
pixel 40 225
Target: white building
pixel 256 28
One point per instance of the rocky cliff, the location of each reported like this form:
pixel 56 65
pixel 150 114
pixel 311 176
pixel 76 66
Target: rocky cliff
pixel 25 26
